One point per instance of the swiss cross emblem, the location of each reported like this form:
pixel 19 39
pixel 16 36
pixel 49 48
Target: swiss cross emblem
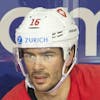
pixel 62 12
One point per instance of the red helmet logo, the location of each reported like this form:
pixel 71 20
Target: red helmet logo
pixel 61 12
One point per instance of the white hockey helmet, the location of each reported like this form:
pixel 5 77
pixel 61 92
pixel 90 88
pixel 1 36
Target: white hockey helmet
pixel 48 28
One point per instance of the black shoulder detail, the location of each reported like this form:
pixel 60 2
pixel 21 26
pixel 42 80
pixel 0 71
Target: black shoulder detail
pixel 31 94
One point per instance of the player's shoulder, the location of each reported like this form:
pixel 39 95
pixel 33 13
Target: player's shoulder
pixel 88 68
pixel 87 71
pixel 85 80
pixel 19 88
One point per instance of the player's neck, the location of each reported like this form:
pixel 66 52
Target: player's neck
pixel 59 94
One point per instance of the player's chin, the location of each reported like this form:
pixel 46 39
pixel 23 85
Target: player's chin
pixel 42 88
pixel 42 85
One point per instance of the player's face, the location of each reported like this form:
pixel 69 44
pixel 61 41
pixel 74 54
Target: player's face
pixel 44 66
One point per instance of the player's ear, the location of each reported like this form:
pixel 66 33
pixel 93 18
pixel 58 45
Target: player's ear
pixel 71 56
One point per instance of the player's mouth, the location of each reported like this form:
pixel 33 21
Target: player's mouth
pixel 40 79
